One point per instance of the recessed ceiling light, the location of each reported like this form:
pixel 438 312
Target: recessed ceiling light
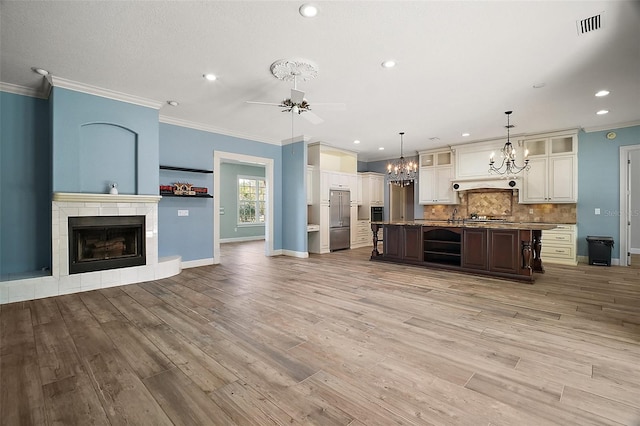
pixel 40 71
pixel 381 148
pixel 173 103
pixel 308 10
pixel 389 63
pixel 210 77
pixel 602 112
pixel 466 134
pixel 602 93
pixel 356 142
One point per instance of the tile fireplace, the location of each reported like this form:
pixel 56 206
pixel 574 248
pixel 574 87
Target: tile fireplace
pixel 114 210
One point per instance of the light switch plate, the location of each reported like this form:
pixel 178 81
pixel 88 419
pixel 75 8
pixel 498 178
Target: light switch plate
pixel 597 211
pixel 183 212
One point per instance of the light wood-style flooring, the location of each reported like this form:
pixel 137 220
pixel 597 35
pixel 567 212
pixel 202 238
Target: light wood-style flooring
pixel 331 340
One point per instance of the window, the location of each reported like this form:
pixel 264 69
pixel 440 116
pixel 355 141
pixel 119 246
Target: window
pixel 252 195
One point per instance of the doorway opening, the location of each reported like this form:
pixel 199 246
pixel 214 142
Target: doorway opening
pixel 220 181
pixel 401 203
pixel 629 204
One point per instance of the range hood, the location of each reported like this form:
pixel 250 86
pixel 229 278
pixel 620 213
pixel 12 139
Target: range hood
pixel 489 182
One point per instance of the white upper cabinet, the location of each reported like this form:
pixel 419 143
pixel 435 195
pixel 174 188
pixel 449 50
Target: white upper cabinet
pixel 434 178
pixel 553 173
pixel 372 189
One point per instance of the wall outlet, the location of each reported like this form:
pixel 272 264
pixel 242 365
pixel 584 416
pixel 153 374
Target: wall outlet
pixel 183 212
pixel 433 210
pixel 530 211
pixel 221 210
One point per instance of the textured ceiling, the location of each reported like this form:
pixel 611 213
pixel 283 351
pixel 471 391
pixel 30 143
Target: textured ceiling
pixel 460 64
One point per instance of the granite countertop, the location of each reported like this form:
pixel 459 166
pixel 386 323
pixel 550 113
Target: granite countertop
pixel 473 224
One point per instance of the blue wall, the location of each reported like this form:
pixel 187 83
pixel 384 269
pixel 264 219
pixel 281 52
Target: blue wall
pixel 599 185
pixel 229 201
pixel 294 197
pixel 98 140
pixel 25 184
pixel 192 236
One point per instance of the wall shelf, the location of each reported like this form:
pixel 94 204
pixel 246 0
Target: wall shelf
pixel 188 196
pixel 185 169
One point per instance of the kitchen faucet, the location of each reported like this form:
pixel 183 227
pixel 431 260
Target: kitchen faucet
pixel 453 216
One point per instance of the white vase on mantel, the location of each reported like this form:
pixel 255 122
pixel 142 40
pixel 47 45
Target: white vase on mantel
pixel 113 189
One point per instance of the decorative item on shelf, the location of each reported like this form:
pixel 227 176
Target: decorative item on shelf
pixel 402 172
pixel 166 189
pixel 508 167
pixel 200 190
pixel 183 188
pixel 113 188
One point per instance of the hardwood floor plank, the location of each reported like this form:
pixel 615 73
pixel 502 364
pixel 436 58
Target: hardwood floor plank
pixel 73 400
pixel 21 397
pixel 601 407
pixel 201 368
pixel 57 354
pixel 141 354
pixel 124 397
pixel 183 402
pixel 247 406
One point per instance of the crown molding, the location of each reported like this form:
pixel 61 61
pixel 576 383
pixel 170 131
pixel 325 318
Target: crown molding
pixel 211 129
pixel 611 126
pixel 25 91
pixel 104 93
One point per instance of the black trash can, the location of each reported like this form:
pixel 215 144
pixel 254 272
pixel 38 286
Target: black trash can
pixel 600 250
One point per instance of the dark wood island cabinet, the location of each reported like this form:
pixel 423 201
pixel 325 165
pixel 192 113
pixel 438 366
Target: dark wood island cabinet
pixel 505 250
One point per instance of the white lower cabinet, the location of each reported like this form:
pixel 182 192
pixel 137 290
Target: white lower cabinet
pixel 363 235
pixel 559 245
pixel 324 228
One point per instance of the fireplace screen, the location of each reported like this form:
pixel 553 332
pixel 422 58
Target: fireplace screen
pixel 105 242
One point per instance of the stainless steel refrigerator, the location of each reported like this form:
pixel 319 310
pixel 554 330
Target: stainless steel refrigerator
pixel 339 220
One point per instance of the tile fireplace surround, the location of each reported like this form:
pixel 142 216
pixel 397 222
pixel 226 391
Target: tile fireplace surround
pixel 78 204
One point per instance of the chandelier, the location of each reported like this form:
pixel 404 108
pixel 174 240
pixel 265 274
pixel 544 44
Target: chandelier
pixel 508 167
pixel 402 172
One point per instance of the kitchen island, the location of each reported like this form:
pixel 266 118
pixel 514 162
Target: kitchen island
pixel 502 249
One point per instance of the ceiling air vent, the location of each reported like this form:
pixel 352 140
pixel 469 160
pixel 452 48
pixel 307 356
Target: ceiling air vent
pixel 589 24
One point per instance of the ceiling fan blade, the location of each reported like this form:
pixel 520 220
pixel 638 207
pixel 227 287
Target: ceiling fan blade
pixel 312 117
pixel 330 106
pixel 297 96
pixel 265 103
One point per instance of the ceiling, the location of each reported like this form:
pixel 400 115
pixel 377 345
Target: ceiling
pixel 460 65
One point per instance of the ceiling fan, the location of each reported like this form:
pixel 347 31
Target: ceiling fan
pixel 292 70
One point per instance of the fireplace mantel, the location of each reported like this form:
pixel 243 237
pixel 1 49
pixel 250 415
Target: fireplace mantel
pixel 81 197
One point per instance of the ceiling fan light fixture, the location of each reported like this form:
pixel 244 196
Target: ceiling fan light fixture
pixel 308 10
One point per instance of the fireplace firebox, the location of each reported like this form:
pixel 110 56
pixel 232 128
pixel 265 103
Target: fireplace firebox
pixel 97 243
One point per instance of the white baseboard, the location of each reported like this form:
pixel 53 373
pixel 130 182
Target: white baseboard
pixel 634 251
pixel 241 239
pixel 196 263
pixel 300 254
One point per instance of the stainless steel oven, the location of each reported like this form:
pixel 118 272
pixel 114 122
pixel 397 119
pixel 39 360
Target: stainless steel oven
pixel 377 214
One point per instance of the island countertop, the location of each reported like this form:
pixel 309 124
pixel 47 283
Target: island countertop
pixel 497 224
pixel 494 247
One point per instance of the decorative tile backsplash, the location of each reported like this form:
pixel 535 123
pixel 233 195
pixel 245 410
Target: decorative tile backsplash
pixel 502 204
